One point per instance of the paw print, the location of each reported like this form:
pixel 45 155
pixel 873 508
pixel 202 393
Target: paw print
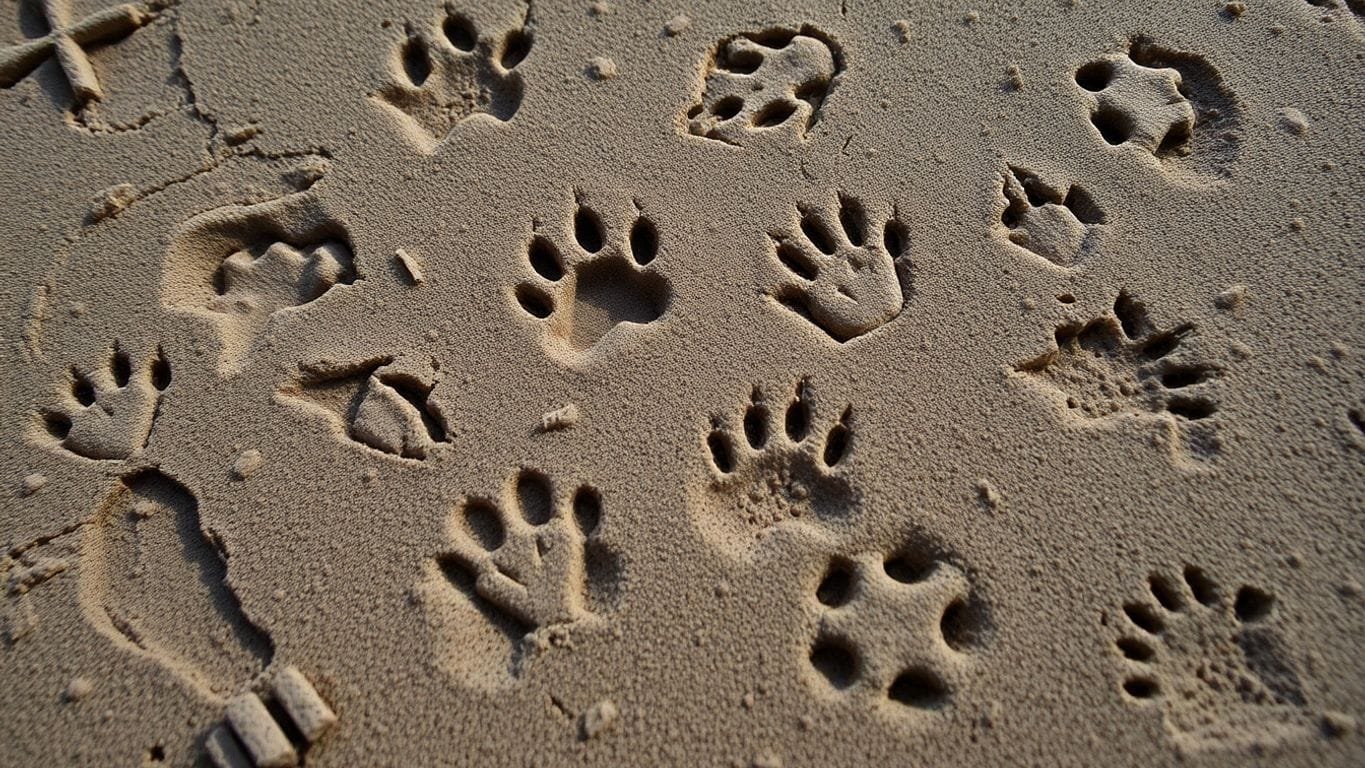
pixel 844 273
pixel 1122 364
pixel 108 412
pixel 1137 104
pixel 385 404
pixel 775 465
pixel 894 631
pixel 1215 662
pixel 1173 104
pixel 279 276
pixel 1049 223
pixel 446 71
pixel 758 83
pixel 533 556
pixel 581 293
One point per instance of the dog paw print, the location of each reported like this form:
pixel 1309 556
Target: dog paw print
pixel 1122 364
pixel 894 632
pixel 448 70
pixel 604 279
pixel 385 404
pixel 107 412
pixel 778 462
pixel 844 270
pixel 534 556
pixel 1171 104
pixel 1216 662
pixel 765 83
pixel 1056 225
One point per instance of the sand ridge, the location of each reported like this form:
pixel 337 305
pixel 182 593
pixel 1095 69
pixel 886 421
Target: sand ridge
pixel 627 383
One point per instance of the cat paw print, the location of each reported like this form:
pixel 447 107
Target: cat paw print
pixel 533 556
pixel 107 412
pixel 604 279
pixel 844 270
pixel 1171 104
pixel 779 461
pixel 1122 364
pixel 1216 662
pixel 1054 224
pixel 894 631
pixel 448 70
pixel 763 84
pixel 385 403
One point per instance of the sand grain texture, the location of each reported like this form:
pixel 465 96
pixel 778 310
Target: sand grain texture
pixel 629 383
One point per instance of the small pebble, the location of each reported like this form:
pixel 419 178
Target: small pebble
pixel 31 484
pixel 78 689
pixel 246 464
pixel 601 68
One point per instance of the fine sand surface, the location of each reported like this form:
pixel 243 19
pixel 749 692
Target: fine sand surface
pixel 682 383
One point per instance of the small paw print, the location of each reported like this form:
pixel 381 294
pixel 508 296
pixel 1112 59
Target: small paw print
pixel 108 412
pixel 765 84
pixel 605 279
pixel 533 556
pixel 778 462
pixel 447 71
pixel 843 272
pixel 894 630
pixel 1215 662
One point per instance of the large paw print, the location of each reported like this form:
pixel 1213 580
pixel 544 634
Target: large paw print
pixel 447 71
pixel 758 83
pixel 533 556
pixel 607 278
pixel 893 631
pixel 844 273
pixel 777 462
pixel 1215 662
pixel 108 412
pixel 1122 363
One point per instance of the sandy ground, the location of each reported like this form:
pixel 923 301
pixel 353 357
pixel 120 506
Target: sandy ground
pixel 646 383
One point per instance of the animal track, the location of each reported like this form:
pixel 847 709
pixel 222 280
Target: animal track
pixel 1216 663
pixel 277 731
pixel 108 412
pixel 385 403
pixel 444 72
pixel 758 83
pixel 894 630
pixel 581 293
pixel 152 578
pixel 532 560
pixel 58 37
pixel 240 266
pixel 1055 225
pixel 1122 364
pixel 845 274
pixel 1170 103
pixel 779 463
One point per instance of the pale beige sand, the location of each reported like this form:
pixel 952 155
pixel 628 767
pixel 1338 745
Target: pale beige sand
pixel 682 383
